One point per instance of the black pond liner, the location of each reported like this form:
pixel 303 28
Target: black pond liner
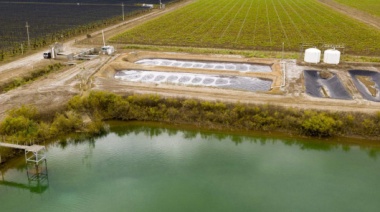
pixel 361 88
pixel 314 83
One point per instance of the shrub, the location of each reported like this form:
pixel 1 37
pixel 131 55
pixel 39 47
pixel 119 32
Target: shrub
pixel 66 123
pixel 319 125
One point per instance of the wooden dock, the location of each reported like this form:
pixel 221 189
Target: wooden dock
pixel 34 153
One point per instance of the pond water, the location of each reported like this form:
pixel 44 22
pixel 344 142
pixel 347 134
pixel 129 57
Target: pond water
pixel 150 168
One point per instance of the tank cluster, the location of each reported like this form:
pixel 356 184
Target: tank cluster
pixel 330 56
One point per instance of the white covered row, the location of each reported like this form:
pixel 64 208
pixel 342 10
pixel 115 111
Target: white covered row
pixel 232 82
pixel 242 67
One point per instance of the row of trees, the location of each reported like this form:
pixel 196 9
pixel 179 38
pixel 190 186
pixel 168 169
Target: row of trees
pixel 27 125
pixel 18 48
pixel 220 115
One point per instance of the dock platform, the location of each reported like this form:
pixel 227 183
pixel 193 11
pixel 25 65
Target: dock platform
pixel 34 153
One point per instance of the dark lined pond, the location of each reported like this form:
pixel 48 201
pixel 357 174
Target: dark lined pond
pixel 148 168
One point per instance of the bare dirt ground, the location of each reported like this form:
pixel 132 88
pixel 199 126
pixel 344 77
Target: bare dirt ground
pixel 292 94
pixel 352 12
pixel 57 88
pixel 28 63
pixel 98 74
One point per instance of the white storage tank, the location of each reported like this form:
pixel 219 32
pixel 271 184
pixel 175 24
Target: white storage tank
pixel 331 56
pixel 312 55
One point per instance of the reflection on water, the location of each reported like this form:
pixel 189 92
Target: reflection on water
pixel 320 145
pixel 37 176
pixel 139 167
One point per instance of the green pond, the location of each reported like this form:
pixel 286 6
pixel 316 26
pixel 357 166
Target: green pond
pixel 140 167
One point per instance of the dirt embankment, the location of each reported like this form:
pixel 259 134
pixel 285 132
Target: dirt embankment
pixel 291 95
pixel 352 12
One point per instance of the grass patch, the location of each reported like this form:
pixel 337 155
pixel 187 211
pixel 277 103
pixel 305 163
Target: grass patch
pixel 195 50
pixel 369 84
pixel 19 81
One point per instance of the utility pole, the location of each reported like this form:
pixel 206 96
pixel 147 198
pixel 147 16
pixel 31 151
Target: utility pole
pixel 27 32
pixel 160 5
pixel 104 41
pixel 122 9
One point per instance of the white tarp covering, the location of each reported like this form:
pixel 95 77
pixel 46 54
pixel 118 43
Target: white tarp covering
pixel 242 67
pixel 229 82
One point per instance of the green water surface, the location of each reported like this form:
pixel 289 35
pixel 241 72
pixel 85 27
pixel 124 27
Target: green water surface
pixel 142 168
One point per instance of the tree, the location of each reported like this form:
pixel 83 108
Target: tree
pixel 320 125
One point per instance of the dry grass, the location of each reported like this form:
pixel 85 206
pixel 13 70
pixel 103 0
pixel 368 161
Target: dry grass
pixel 369 84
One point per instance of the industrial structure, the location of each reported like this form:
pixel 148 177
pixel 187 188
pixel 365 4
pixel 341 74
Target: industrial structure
pixel 312 55
pixel 35 157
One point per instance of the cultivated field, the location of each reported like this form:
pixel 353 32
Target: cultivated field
pixel 369 6
pixel 256 24
pixel 50 21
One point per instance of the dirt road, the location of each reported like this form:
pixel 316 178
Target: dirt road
pixel 69 46
pixel 352 12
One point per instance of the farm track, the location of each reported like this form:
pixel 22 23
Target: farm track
pixel 355 13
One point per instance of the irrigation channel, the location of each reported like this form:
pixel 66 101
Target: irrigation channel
pixel 140 167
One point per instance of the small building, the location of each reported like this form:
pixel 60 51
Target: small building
pixel 53 51
pixel 108 50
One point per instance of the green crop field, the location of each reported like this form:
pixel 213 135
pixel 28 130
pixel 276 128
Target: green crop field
pixel 255 24
pixel 369 6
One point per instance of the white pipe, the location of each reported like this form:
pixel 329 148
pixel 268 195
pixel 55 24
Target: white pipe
pixel 104 42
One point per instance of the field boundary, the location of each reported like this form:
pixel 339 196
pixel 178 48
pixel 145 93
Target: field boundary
pixel 354 13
